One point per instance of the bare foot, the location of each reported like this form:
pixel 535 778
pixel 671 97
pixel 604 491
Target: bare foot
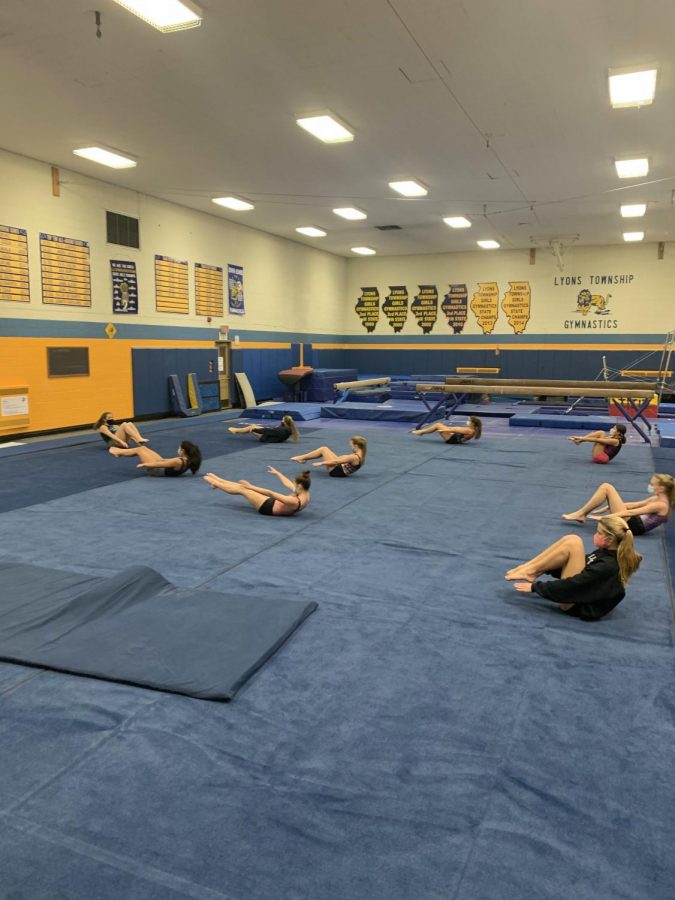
pixel 232 429
pixel 578 517
pixel 416 431
pixel 143 441
pixel 299 459
pixel 520 574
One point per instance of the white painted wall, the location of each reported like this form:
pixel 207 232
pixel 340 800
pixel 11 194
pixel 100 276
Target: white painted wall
pixel 288 287
pixel 644 305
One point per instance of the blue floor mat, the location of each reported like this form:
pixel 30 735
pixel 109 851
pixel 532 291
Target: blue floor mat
pixel 138 628
pixel 431 734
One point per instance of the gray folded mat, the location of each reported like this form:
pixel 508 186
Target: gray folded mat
pixel 138 628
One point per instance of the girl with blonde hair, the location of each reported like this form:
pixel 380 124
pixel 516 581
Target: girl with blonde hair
pixel 454 434
pixel 587 586
pixel 641 515
pixel 338 466
pixel 270 435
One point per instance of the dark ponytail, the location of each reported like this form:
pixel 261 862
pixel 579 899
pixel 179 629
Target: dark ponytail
pixel 304 479
pixel 193 455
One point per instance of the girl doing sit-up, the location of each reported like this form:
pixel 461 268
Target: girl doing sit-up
pixel 605 445
pixel 587 586
pixel 117 435
pixel 641 515
pixel 267 502
pixel 189 457
pixel 454 434
pixel 338 466
pixel 267 435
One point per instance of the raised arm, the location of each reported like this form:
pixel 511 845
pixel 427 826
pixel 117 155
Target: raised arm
pixel 174 463
pixel 282 478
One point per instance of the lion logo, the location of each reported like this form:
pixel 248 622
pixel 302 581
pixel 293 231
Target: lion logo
pixel 586 301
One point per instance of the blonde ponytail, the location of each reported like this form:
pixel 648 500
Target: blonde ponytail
pixel 667 482
pixel 616 528
pixel 290 424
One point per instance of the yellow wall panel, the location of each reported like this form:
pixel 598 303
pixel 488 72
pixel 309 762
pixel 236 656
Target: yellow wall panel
pixel 76 399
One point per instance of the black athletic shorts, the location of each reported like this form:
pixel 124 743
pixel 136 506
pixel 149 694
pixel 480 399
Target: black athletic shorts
pixel 337 471
pixel 636 525
pixel 267 509
pixel 454 438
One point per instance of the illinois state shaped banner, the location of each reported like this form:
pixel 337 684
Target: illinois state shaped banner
pixel 485 305
pixel 395 306
pixel 516 304
pixel 368 308
pixel 425 307
pixel 455 307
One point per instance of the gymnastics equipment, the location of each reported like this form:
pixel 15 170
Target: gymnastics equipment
pixel 631 407
pixel 292 378
pixel 245 389
pixel 178 404
pixel 367 387
pixel 138 628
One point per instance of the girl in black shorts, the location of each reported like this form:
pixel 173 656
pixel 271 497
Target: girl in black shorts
pixel 338 466
pixel 189 457
pixel 267 502
pixel 269 435
pixel 454 434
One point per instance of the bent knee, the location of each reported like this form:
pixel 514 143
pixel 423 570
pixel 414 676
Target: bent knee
pixel 573 540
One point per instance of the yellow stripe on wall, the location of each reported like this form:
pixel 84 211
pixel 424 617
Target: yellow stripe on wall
pixel 499 347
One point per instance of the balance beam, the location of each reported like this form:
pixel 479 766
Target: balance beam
pixel 526 382
pixel 356 385
pixel 625 401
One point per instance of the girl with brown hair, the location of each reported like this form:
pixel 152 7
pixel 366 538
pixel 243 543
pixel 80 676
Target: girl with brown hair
pixel 270 435
pixel 189 457
pixel 338 466
pixel 605 445
pixel 267 502
pixel 117 435
pixel 454 434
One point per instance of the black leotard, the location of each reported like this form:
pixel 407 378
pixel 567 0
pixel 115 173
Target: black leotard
pixel 272 435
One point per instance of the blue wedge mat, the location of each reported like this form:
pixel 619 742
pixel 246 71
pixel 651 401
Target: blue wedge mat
pixel 137 628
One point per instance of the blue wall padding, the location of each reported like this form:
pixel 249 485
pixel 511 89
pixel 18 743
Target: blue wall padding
pixel 539 420
pixel 179 403
pixel 667 430
pixel 151 370
pixel 262 368
pixel 210 393
pixel 320 383
pixel 193 641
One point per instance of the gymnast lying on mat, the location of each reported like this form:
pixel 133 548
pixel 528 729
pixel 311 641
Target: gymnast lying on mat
pixel 189 457
pixel 586 586
pixel 268 503
pixel 117 435
pixel 455 434
pixel 267 435
pixel 338 466
pixel 642 515
pixel 605 446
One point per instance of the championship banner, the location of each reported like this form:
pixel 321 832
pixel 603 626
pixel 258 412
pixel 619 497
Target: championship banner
pixel 124 287
pixel 368 308
pixel 455 306
pixel 235 289
pixel 425 307
pixel 65 270
pixel 485 305
pixel 14 278
pixel 395 306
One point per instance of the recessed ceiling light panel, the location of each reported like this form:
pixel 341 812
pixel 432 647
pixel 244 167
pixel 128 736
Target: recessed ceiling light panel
pixel 633 235
pixel 327 128
pixel 166 15
pixel 488 245
pixel 409 187
pixel 633 210
pixel 311 231
pixel 457 222
pixel 364 251
pixel 106 157
pixel 632 168
pixel 350 212
pixel 632 87
pixel 235 203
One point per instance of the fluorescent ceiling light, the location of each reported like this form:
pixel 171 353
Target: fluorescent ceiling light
pixel 326 128
pixel 350 212
pixel 311 231
pixel 488 245
pixel 165 15
pixel 411 187
pixel 631 168
pixel 631 87
pixel 633 210
pixel 233 203
pixel 364 251
pixel 106 157
pixel 633 235
pixel 457 222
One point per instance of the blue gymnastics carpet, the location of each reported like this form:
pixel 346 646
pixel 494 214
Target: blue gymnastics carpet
pixel 428 733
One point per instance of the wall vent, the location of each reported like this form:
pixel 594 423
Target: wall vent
pixel 122 230
pixel 388 227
